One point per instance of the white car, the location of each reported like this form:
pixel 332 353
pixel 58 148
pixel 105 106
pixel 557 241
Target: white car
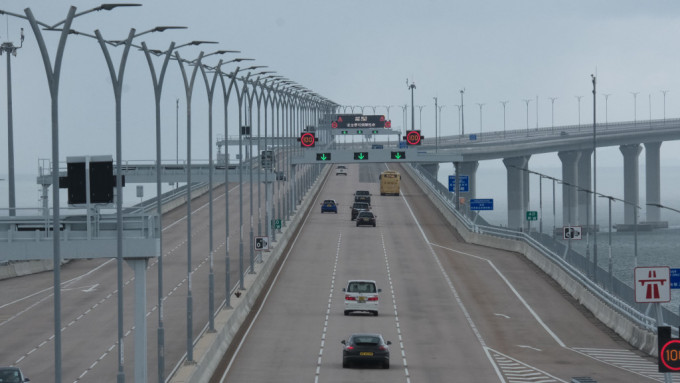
pixel 361 295
pixel 340 172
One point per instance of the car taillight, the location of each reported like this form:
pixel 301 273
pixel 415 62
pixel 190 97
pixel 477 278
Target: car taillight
pixel 373 299
pixel 350 298
pixel 349 348
pixel 381 348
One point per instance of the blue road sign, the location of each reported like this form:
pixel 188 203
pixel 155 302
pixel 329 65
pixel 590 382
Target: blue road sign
pixel 675 278
pixel 473 137
pixel 481 204
pixel 463 186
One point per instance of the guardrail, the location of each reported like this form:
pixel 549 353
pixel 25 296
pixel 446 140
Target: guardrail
pixel 619 297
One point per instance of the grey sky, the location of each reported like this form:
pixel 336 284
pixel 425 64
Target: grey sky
pixel 354 53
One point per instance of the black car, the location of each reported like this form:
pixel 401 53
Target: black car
pixel 12 375
pixel 366 348
pixel 357 207
pixel 362 196
pixel 366 218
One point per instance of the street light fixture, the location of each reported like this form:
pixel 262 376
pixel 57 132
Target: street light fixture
pixel 634 107
pixel 9 48
pixel 552 113
pixel 504 104
pixel 527 101
pixel 579 111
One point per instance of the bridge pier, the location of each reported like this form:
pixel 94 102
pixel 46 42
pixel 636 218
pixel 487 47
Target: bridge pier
pixel 631 192
pixel 469 169
pixel 653 183
pixel 432 168
pixel 585 201
pixel 517 190
pixel 569 193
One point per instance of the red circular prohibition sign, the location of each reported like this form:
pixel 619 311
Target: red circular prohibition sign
pixel 413 137
pixel 307 139
pixel 673 353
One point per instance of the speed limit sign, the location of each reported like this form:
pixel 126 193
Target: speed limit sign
pixel 261 243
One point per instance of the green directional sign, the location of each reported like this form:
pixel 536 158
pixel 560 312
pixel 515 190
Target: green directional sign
pixel 361 156
pixel 360 131
pixel 532 215
pixel 375 131
pixel 398 155
pixel 344 132
pixel 276 224
pixel 323 156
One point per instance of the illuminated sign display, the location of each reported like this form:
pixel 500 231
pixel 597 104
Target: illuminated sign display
pixel 361 156
pixel 413 137
pixel 307 139
pixel 669 350
pixel 353 121
pixel 398 155
pixel 323 156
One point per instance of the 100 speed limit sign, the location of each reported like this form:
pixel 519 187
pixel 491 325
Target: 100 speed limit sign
pixel 261 243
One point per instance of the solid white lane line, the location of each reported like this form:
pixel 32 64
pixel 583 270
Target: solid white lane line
pixel 459 301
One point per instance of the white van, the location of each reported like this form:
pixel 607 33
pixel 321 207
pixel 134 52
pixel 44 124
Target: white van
pixel 361 295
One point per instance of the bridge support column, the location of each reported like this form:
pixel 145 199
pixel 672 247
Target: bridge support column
pixel 432 168
pixel 653 182
pixel 585 201
pixel 569 195
pixel 631 192
pixel 469 169
pixel 516 190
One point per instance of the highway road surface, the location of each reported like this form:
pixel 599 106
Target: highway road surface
pixel 454 312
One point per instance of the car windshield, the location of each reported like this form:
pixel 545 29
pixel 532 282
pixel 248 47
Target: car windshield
pixel 10 376
pixel 329 201
pixel 361 205
pixel 366 214
pixel 361 192
pixel 361 287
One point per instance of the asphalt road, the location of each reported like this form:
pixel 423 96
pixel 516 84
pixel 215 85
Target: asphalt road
pixel 454 312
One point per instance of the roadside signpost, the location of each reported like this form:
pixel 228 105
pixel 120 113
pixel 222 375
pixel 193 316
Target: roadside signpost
pixel 481 204
pixel 464 185
pixel 571 232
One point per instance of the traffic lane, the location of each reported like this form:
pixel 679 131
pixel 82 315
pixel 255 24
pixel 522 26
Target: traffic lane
pixel 439 340
pixel 81 318
pixel 284 342
pixel 504 321
pixel 361 255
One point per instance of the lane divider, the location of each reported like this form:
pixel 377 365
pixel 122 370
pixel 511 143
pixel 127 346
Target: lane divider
pixel 328 311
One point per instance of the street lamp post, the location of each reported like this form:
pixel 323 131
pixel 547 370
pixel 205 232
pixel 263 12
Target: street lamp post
pixel 552 113
pixel 53 73
pixel 606 112
pixel 504 104
pixel 9 48
pixel 594 79
pixel 436 129
pixel 413 111
pixel 579 111
pixel 664 105
pixel 634 107
pixel 420 116
pixel 527 101
pixel 440 107
pixel 462 113
pixel 480 119
pixel 188 88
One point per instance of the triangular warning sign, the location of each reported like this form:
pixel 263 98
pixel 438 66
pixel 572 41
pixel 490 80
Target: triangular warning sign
pixel 339 119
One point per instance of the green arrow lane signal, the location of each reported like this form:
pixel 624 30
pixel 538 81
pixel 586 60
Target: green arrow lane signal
pixel 343 132
pixel 323 156
pixel 360 155
pixel 398 155
pixel 360 131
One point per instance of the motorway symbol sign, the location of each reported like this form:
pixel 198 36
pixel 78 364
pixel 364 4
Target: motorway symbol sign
pixel 481 204
pixel 652 284
pixel 532 215
pixel 261 243
pixel 572 232
pixel 463 186
pixel 276 224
